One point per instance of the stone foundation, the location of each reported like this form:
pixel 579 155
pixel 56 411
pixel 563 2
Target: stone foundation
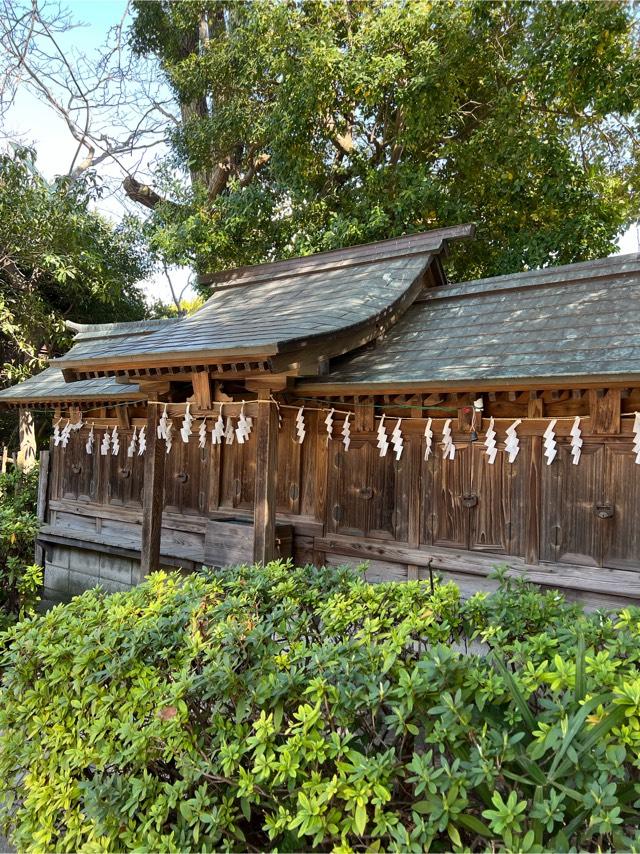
pixel 70 571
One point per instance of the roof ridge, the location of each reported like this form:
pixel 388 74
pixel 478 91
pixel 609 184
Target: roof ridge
pixel 89 331
pixel 424 242
pixel 601 268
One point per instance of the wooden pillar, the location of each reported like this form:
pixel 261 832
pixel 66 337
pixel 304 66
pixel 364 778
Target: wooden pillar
pixel 41 507
pixel 152 497
pixel 532 532
pixel 264 514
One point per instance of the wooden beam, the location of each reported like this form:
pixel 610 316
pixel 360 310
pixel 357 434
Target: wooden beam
pixel 364 415
pixel 201 389
pixel 604 408
pixel 152 496
pixel 122 414
pixel 264 513
pixel 535 407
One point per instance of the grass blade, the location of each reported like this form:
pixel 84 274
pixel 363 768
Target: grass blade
pixel 516 693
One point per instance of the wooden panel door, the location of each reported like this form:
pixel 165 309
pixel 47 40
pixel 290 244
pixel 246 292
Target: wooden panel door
pixel 621 532
pixel 289 454
pixel 79 471
pixel 570 530
pixel 490 517
pixel 238 473
pixel 497 519
pixel 446 517
pixel 363 492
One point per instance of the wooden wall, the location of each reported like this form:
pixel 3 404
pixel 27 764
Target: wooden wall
pixel 403 514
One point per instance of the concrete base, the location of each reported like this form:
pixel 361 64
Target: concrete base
pixel 69 572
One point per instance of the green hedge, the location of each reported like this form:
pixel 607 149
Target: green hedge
pixel 20 578
pixel 299 709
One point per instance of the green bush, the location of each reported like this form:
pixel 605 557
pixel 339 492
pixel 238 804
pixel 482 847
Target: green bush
pixel 20 578
pixel 298 709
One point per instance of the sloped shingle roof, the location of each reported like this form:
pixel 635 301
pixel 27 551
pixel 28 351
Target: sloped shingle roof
pixel 270 307
pixel 50 386
pixel 577 320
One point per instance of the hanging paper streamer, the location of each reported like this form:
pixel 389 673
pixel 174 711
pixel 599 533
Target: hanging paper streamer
pixel 187 421
pixel 77 425
pixel 163 424
pixel 550 449
pixel 300 431
pixel 329 425
pixel 428 439
pixel 448 446
pixel 346 432
pixel 636 437
pixel 115 442
pixel 576 441
pixel 202 434
pixel 56 432
pixel 217 433
pixel 383 442
pixel 90 441
pixel 131 448
pixel 397 440
pixel 490 442
pixel 244 427
pixel 65 433
pixel 228 432
pixel 142 441
pixel 512 445
pixel 105 444
pixel 168 435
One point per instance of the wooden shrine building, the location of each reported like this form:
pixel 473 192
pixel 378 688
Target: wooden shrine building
pixel 356 406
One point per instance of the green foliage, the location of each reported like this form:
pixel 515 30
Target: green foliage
pixel 298 709
pixel 60 260
pixel 313 125
pixel 20 578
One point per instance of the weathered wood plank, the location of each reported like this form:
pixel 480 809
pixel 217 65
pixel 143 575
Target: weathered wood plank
pixel 201 389
pixel 43 495
pixel 532 511
pixel 264 519
pixel 605 410
pixel 625 584
pixel 153 496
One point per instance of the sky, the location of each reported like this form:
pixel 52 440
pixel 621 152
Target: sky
pixel 35 124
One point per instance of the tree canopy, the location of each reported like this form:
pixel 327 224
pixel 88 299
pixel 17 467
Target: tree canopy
pixel 308 126
pixel 58 259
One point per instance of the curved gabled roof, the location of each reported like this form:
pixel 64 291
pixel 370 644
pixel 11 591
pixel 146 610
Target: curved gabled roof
pixel 258 312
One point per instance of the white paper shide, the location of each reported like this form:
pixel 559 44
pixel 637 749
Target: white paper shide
pixel 383 442
pixel 490 442
pixel 512 444
pixel 448 446
pixel 428 439
pixel 576 441
pixel 550 447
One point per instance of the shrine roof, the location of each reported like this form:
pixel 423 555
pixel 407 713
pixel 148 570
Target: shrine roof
pixel 49 387
pixel 576 321
pixel 260 311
